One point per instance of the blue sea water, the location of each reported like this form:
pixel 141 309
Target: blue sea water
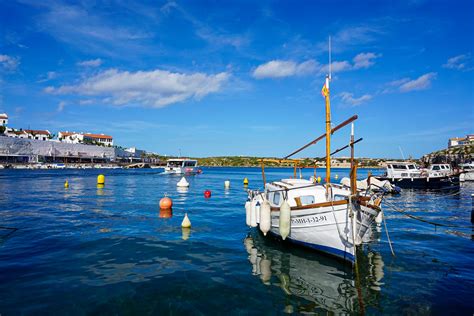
pixel 88 250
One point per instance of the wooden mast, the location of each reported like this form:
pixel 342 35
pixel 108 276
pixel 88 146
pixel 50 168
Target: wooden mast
pixel 328 120
pixel 328 133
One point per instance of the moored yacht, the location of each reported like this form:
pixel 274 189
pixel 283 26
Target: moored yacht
pixel 407 175
pixel 182 166
pixel 467 172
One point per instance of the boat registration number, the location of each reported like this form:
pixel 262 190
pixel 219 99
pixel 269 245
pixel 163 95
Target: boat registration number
pixel 309 220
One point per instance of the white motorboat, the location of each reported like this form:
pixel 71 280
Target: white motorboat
pixel 467 172
pixel 326 217
pixel 182 166
pixel 407 175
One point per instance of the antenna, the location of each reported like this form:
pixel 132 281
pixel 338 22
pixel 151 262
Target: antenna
pixel 401 151
pixel 329 57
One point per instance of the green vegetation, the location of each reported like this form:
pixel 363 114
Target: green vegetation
pixel 249 161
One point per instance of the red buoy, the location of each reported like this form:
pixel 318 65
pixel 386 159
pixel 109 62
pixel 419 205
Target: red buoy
pixel 166 203
pixel 207 194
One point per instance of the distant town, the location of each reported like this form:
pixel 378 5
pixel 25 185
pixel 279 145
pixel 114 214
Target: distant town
pixel 29 146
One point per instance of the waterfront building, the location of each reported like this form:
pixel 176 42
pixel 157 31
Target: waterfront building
pixel 10 132
pixel 459 141
pixel 38 134
pixel 28 134
pixel 3 119
pixel 85 138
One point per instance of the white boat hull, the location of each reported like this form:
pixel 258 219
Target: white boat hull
pixel 467 176
pixel 327 229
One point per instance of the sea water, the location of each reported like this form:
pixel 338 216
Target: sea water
pixel 88 250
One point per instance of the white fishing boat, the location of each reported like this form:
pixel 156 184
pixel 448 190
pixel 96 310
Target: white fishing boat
pixel 467 172
pixel 182 166
pixel 326 217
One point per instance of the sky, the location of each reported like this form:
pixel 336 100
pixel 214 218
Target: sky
pixel 213 78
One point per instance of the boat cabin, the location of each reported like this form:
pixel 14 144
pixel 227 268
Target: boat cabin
pixel 181 163
pixel 397 170
pixel 301 192
pixel 439 169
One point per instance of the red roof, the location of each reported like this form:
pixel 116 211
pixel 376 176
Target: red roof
pixel 37 132
pixel 98 136
pixel 65 134
pixel 3 116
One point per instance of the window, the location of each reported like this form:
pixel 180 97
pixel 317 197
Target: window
pixel 338 197
pixel 190 164
pixel 307 199
pixel 276 198
pixel 436 168
pixel 399 167
pixel 411 167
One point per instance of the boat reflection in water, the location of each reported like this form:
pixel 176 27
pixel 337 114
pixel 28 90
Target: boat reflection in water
pixel 327 284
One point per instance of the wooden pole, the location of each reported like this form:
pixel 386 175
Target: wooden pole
pixel 314 141
pixel 353 189
pixel 294 171
pixel 328 134
pixel 263 175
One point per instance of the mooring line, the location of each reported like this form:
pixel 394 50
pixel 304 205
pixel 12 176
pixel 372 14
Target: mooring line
pixel 393 207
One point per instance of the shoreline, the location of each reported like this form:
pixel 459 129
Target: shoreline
pixel 49 166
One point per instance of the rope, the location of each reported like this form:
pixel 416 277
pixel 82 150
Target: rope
pixel 388 236
pixel 425 220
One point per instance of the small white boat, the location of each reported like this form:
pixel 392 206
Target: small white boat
pixel 323 217
pixel 182 166
pixel 328 217
pixel 467 172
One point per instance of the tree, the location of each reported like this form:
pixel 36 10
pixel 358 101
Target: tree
pixel 2 129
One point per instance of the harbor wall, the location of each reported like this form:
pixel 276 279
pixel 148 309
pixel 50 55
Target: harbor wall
pixel 30 150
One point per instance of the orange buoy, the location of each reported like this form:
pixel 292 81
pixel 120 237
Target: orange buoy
pixel 166 203
pixel 166 213
pixel 207 194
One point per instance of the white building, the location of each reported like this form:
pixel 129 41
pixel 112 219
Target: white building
pixel 458 141
pixel 136 153
pixel 85 138
pixel 38 134
pixel 10 132
pixel 28 134
pixel 3 119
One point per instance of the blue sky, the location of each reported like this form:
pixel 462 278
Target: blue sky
pixel 239 77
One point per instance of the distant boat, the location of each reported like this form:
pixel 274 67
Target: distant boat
pixel 467 172
pixel 407 175
pixel 182 166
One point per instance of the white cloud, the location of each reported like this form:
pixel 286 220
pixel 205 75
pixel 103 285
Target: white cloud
pixel 9 63
pixel 275 69
pixel 50 75
pixel 156 88
pixel 287 68
pixel 421 83
pixel 351 37
pixel 61 106
pixel 398 83
pixel 364 60
pixel 348 98
pixel 90 63
pixel 457 62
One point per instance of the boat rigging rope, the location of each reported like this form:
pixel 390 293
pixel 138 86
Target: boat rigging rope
pixel 418 218
pixel 388 236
